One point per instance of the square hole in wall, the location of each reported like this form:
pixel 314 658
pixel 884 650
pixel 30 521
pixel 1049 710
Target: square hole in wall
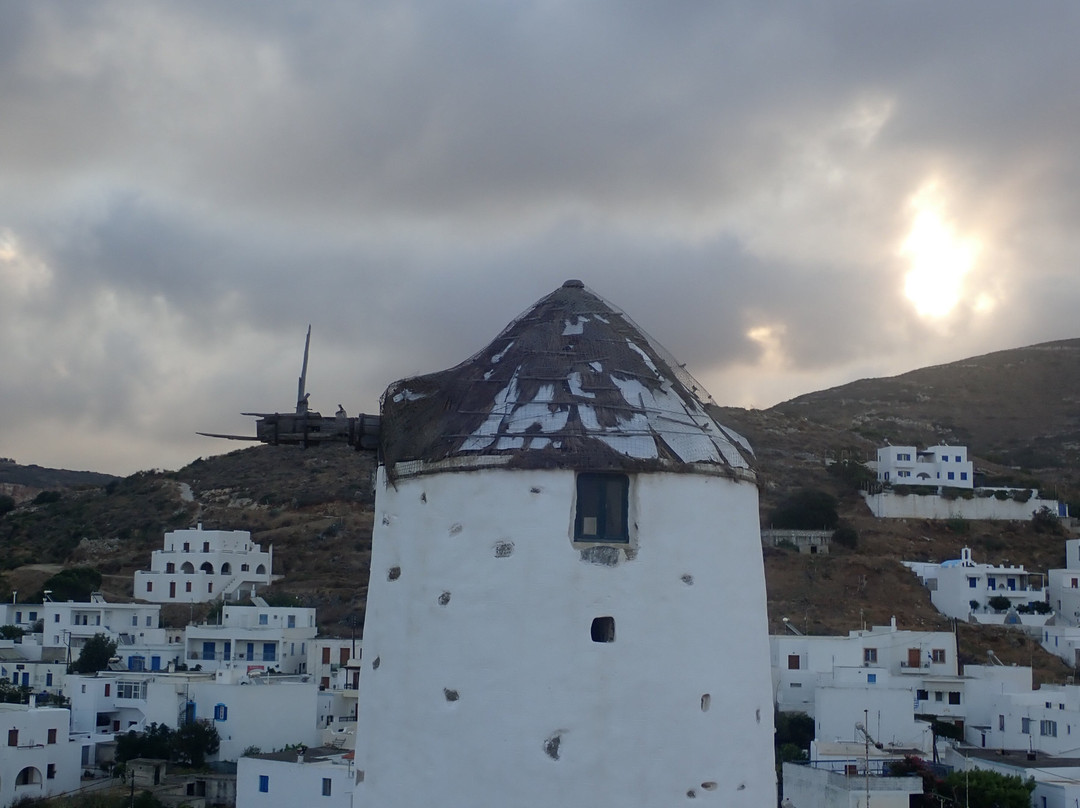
pixel 603 629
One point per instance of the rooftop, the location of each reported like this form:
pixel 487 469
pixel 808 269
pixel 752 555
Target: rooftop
pixel 571 383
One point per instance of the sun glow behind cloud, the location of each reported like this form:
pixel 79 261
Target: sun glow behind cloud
pixel 939 257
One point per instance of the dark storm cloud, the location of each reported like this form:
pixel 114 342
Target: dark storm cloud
pixel 184 187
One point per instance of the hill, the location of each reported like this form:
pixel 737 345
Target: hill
pixel 25 482
pixel 1016 411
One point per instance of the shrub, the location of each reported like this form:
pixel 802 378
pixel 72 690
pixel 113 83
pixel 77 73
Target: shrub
pixel 806 510
pixel 1022 495
pixel 958 525
pixel 7 504
pixel 846 536
pixel 999 603
pixel 47 497
pixel 1045 521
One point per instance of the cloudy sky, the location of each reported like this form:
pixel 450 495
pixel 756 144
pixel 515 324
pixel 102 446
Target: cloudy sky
pixel 787 196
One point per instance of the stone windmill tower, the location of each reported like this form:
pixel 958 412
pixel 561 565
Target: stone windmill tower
pixel 567 598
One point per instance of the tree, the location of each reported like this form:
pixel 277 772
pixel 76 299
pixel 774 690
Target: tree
pixel 194 741
pixel 75 583
pixel 982 787
pixel 7 504
pixel 806 510
pixel 11 632
pixel 156 742
pixel 95 655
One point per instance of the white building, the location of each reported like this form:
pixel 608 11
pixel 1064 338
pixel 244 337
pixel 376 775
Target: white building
pixel 322 776
pixel 962 589
pixel 253 638
pixel 37 758
pixel 945 466
pixel 802 664
pixel 268 712
pixel 823 787
pixel 198 566
pixel 136 628
pixel 567 598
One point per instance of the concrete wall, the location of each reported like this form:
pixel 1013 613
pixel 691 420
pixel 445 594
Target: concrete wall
pixel 888 505
pixel 483 686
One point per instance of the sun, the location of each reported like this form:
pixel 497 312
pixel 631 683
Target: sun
pixel 939 258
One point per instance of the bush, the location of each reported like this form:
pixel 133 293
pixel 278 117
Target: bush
pixel 958 525
pixel 47 497
pixel 1022 495
pixel 7 504
pixel 999 603
pixel 846 536
pixel 806 510
pixel 1045 521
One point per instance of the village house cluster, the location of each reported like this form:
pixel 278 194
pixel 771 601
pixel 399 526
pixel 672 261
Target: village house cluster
pixel 538 633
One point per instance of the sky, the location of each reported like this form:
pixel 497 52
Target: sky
pixel 787 196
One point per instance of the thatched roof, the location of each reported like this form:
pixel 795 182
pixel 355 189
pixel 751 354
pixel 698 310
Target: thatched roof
pixel 571 383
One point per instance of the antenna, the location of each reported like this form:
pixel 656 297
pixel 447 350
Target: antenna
pixel 301 396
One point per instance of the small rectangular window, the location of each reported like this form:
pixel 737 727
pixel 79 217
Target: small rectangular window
pixel 1048 728
pixel 954 697
pixel 939 696
pixel 922 695
pixel 13 737
pixel 952 476
pixel 793 662
pixel 937 655
pixel 1001 723
pixel 870 656
pixel 221 712
pixel 1025 726
pixel 602 508
pixel 50 771
pixel 871 678
pixel 326 786
pixel 264 783
pixel 51 735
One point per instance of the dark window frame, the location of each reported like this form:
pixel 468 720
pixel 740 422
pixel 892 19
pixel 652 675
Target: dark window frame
pixel 600 497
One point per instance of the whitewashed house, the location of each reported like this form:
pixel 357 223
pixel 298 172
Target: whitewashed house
pixel 37 758
pixel 567 598
pixel 22 615
pixel 141 643
pixel 962 589
pixel 945 466
pixel 848 787
pixel 268 712
pixel 253 638
pixel 1062 635
pixel 335 664
pixel 199 566
pixel 802 664
pixel 320 776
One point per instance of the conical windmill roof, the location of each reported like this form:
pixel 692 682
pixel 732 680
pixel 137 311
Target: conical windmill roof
pixel 571 383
